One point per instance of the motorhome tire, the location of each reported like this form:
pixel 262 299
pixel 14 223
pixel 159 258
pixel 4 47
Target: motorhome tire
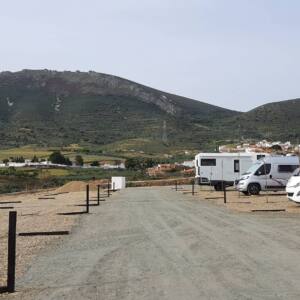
pixel 253 189
pixel 218 186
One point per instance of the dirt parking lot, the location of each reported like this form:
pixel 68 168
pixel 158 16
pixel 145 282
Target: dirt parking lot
pixel 38 212
pixel 155 243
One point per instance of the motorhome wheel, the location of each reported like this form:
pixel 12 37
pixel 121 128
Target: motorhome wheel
pixel 218 187
pixel 253 189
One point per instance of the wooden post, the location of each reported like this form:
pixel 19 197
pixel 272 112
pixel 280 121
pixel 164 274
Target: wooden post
pixel 98 194
pixel 224 189
pixel 108 188
pixel 11 264
pixel 87 199
pixel 193 188
pixel 176 185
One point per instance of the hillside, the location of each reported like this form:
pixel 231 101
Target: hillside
pixel 58 108
pixel 277 120
pixel 50 108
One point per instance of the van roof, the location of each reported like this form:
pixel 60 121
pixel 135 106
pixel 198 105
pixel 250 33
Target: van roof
pixel 225 154
pixel 281 159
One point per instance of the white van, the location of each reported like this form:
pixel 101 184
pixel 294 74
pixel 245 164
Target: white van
pixel 270 173
pixel 215 168
pixel 293 187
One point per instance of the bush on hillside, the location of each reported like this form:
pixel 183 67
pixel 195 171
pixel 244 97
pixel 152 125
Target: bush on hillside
pixel 57 158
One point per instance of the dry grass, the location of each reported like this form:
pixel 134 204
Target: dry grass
pixel 27 152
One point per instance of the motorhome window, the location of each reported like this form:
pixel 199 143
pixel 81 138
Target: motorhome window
pixel 208 162
pixel 259 156
pixel 287 168
pixel 297 173
pixel 236 166
pixel 264 169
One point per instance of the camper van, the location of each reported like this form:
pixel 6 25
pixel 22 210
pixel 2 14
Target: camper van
pixel 215 168
pixel 270 173
pixel 293 187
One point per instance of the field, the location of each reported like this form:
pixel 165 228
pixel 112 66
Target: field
pixel 148 148
pixel 31 179
pixel 28 152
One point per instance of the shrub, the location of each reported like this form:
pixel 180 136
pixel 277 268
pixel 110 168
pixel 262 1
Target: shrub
pixel 95 164
pixel 79 160
pixel 57 158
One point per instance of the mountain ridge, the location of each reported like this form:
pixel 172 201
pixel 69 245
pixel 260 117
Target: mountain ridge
pixel 49 107
pixel 106 81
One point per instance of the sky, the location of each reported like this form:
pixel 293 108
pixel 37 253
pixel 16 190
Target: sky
pixel 237 54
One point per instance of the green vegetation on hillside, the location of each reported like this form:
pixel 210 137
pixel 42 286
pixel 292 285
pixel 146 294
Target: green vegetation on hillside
pixel 51 108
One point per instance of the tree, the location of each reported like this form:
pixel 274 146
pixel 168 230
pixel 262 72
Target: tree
pixel 57 158
pixel 78 160
pixel 132 163
pixel 118 162
pixel 35 159
pixel 18 159
pixel 95 163
pixel 136 164
pixel 68 161
pixel 6 161
pixel 149 163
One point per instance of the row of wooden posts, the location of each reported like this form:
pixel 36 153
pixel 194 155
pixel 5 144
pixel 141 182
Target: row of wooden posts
pixel 98 196
pixel 12 226
pixel 193 189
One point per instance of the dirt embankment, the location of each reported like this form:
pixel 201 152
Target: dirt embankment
pixel 80 186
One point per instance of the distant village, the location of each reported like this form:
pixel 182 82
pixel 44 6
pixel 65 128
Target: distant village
pixel 262 146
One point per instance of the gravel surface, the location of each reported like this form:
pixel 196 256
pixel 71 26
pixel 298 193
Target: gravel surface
pixel 154 243
pixel 34 214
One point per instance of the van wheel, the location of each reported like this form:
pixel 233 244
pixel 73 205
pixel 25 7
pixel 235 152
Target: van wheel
pixel 253 189
pixel 218 187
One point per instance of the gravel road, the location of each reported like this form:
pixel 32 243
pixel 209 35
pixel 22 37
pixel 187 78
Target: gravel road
pixel 154 243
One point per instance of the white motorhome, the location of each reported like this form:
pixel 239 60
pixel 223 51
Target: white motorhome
pixel 270 173
pixel 215 168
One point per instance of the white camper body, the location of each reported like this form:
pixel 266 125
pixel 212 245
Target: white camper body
pixel 293 187
pixel 216 168
pixel 270 173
